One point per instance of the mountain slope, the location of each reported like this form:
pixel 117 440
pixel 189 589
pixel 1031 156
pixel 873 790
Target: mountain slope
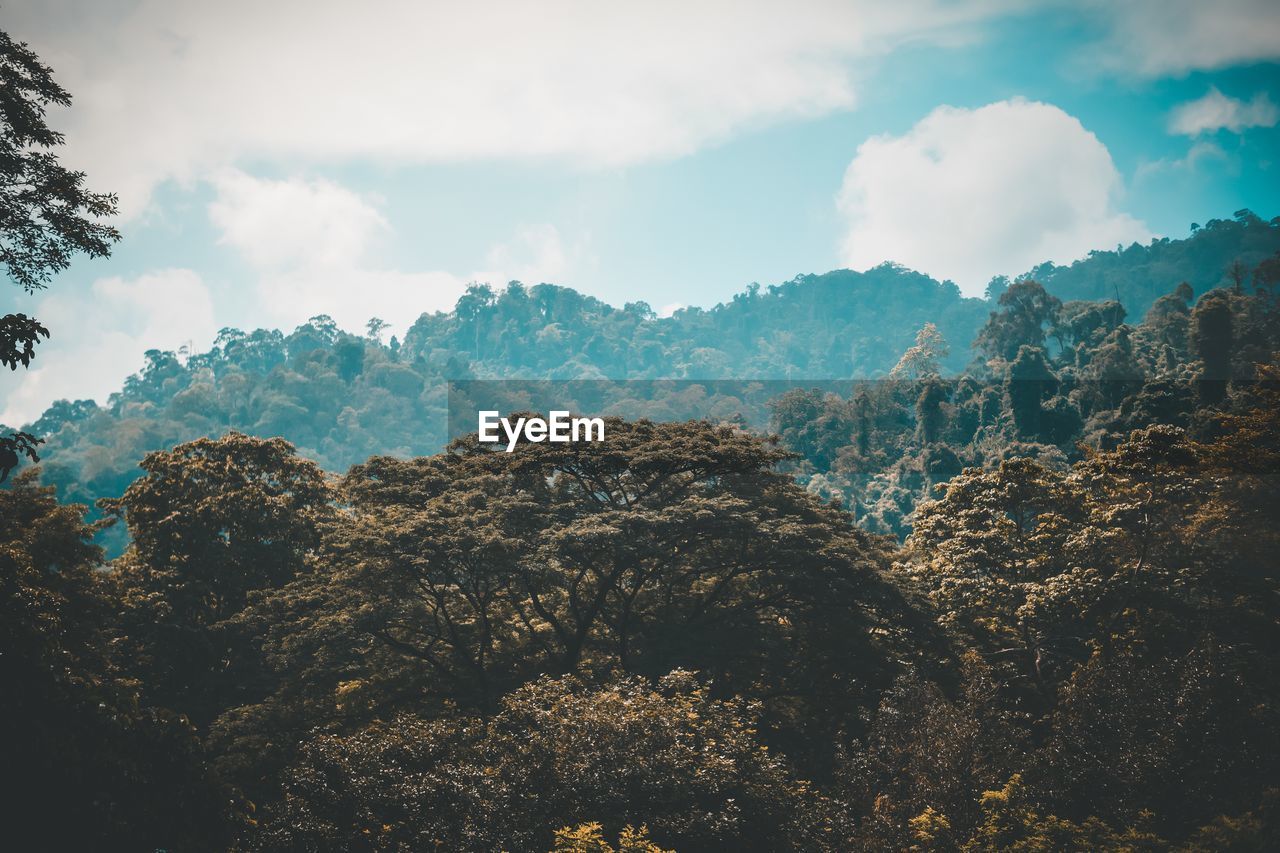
pixel 341 398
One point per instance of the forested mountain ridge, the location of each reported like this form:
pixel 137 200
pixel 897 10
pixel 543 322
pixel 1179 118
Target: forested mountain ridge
pixel 691 637
pixel 341 398
pixel 830 326
pixel 853 562
pixel 1215 253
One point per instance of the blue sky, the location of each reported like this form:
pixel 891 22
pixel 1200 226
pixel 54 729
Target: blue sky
pixel 277 161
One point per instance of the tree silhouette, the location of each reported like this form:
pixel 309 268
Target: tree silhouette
pixel 46 214
pixel 13 447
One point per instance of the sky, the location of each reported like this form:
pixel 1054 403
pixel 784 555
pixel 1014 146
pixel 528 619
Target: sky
pixel 276 161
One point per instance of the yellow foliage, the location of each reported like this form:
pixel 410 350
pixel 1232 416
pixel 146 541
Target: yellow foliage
pixel 589 838
pixel 931 830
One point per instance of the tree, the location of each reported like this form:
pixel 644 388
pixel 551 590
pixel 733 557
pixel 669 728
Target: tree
pixel 1079 323
pixel 1169 320
pixel 212 521
pixel 1026 311
pixel 1127 604
pixel 456 578
pixel 985 550
pixel 19 335
pixel 374 329
pixel 13 447
pixel 46 214
pixel 1160 728
pixel 1029 383
pixel 1237 272
pixel 349 352
pixel 1115 369
pixel 1267 275
pixel 75 741
pixel 923 358
pixel 927 758
pixel 559 752
pixel 1211 339
pixel 930 416
pixel 1011 822
pixel 1241 521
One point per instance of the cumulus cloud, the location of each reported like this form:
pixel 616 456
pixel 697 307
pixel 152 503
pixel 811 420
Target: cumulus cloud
pixel 969 194
pixel 1158 37
pixel 309 242
pixel 176 89
pixel 90 352
pixel 352 295
pixel 284 223
pixel 308 245
pixel 534 254
pixel 1216 111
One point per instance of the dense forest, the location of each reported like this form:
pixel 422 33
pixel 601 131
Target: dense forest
pixel 1018 596
pixel 340 398
pixel 860 564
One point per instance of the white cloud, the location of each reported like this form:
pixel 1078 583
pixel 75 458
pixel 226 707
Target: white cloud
pixel 90 352
pixel 309 244
pixel 968 194
pixel 534 254
pixel 1216 111
pixel 351 295
pixel 1202 151
pixel 284 223
pixel 1158 37
pixel 167 89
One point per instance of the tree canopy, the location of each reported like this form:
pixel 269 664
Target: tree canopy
pixel 47 216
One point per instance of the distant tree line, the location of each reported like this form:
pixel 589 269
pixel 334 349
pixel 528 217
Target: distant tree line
pixel 341 398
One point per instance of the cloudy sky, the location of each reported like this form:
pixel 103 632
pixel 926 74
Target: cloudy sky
pixel 280 160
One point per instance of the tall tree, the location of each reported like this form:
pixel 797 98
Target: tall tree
pixel 1211 338
pixel 1026 312
pixel 923 358
pixel 212 521
pixel 930 416
pixel 46 214
pixel 455 578
pixel 82 766
pixel 1029 383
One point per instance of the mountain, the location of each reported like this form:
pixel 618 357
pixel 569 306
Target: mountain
pixel 698 630
pixel 1139 275
pixel 341 398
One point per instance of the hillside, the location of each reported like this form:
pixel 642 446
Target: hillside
pixel 1139 275
pixel 341 398
pixel 1074 602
